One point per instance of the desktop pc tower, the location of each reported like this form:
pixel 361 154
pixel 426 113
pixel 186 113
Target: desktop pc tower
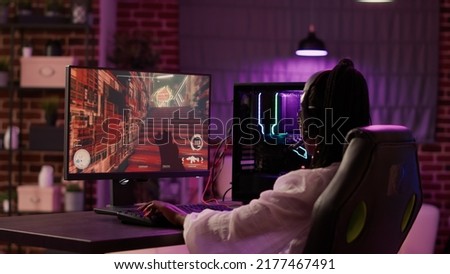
pixel 266 136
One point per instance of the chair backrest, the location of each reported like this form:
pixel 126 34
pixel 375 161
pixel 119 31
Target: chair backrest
pixel 374 198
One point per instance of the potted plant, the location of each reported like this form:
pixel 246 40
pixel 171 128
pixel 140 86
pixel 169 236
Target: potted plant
pixel 50 106
pixel 54 8
pixel 134 50
pixel 73 197
pixel 4 71
pixel 24 7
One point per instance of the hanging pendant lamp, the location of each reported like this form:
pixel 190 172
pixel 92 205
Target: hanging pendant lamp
pixel 375 1
pixel 311 45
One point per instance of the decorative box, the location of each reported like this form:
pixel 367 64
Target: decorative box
pixel 33 198
pixel 44 137
pixel 44 71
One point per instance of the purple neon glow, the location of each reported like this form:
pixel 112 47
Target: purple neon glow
pixel 311 52
pixel 375 1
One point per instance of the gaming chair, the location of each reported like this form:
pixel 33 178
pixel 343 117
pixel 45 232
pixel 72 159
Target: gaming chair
pixel 374 198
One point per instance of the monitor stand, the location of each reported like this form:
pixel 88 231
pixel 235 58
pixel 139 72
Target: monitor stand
pixel 122 192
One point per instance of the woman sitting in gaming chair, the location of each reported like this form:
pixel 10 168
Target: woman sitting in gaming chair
pixel 333 103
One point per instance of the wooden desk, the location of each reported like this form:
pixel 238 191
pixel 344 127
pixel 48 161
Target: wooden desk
pixel 84 232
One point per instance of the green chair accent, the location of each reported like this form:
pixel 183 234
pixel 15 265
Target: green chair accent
pixel 408 212
pixel 357 222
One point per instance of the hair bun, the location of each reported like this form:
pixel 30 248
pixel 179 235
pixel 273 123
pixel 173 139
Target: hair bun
pixel 346 62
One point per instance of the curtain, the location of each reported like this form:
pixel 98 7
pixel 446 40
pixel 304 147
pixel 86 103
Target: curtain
pixel 395 45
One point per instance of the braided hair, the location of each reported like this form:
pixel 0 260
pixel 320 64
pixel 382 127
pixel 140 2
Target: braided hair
pixel 336 102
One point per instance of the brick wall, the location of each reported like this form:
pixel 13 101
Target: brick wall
pixel 26 107
pixel 157 17
pixel 435 158
pixel 160 18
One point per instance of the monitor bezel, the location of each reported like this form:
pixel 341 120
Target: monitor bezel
pixel 118 176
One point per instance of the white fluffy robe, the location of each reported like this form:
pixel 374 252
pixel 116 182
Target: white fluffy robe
pixel 277 222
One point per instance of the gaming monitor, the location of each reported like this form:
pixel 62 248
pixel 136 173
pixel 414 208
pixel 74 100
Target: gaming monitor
pixel 129 124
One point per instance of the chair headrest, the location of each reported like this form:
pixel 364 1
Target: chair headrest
pixel 382 133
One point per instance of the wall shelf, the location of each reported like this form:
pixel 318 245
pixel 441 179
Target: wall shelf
pixel 42 138
pixel 50 26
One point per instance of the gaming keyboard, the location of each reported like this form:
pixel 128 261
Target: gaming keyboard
pixel 135 216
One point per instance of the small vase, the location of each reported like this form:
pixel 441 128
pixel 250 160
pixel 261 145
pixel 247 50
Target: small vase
pixel 4 77
pixel 4 15
pixel 11 138
pixel 46 176
pixel 27 51
pixel 5 205
pixel 53 48
pixel 73 201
